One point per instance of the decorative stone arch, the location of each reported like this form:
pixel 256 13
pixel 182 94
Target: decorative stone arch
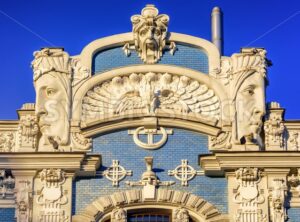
pixel 198 208
pixel 98 45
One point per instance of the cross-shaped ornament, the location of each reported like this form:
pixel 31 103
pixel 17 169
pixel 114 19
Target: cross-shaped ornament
pixel 184 173
pixel 116 173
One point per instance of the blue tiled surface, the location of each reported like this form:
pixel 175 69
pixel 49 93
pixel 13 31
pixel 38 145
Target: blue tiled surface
pixel 7 214
pixel 294 214
pixel 185 56
pixel 181 145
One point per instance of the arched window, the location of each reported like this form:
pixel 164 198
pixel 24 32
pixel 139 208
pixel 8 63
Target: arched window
pixel 149 215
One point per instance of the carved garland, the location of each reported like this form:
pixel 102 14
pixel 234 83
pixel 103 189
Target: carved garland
pixel 150 93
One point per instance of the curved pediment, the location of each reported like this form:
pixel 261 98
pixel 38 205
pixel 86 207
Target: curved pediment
pixel 197 45
pixel 149 91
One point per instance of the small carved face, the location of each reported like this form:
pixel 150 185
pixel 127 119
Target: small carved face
pixel 22 206
pixel 278 204
pixel 52 108
pixel 250 107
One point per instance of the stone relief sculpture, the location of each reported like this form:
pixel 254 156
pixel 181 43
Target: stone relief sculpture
pixel 278 198
pixel 248 196
pixel 52 81
pixel 28 131
pixel 294 187
pixel 293 142
pixel 118 215
pixel 150 32
pixel 245 76
pixel 24 201
pixel 220 142
pixel 7 184
pixel 181 215
pixel 80 72
pixel 150 93
pixel 149 180
pixel 51 197
pixel 78 141
pixel 7 141
pixel 274 127
pixel 54 75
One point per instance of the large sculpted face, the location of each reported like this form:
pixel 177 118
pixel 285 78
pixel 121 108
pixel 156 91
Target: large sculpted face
pixel 150 42
pixel 250 108
pixel 150 32
pixel 52 108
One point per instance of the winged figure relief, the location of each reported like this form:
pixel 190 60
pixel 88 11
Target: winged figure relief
pixel 147 93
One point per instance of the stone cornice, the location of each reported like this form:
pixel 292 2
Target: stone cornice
pixel 292 124
pixel 9 125
pixel 217 164
pixel 98 128
pixel 78 162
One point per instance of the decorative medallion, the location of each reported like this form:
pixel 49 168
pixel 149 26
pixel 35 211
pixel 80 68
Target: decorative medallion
pixel 184 173
pixel 150 144
pixel 116 173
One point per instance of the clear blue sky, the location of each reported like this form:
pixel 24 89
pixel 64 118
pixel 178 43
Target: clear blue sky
pixel 29 25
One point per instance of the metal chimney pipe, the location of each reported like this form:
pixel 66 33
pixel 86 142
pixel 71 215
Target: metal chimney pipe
pixel 217 28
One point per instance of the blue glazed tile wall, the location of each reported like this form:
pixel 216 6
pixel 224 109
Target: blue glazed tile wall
pixel 294 214
pixel 185 56
pixel 119 145
pixel 7 214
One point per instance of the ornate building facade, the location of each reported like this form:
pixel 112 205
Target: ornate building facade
pixel 150 125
